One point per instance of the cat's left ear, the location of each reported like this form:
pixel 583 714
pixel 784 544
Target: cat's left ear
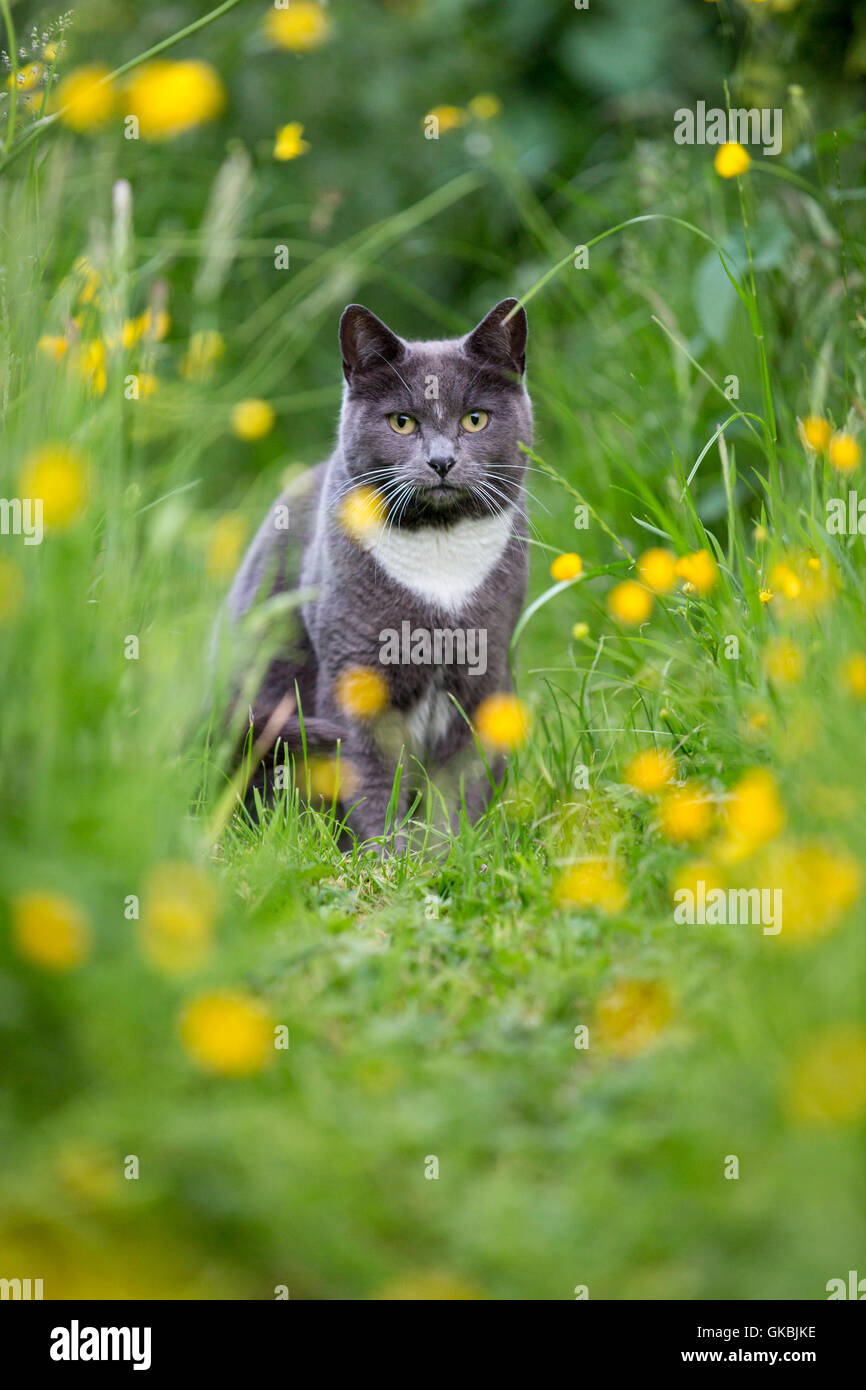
pixel 500 338
pixel 365 341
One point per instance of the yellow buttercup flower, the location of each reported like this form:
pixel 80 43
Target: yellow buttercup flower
pixel 228 1033
pixel 657 570
pixel 630 1017
pixel 361 692
pixel 88 280
pixel 49 930
pixel 731 160
pixel 446 117
pixel 630 603
pixel 300 28
pixel 826 1084
pixel 361 513
pixel 90 360
pixel 225 547
pixel 650 771
pixel 177 916
pixel 765 596
pixel 754 811
pixel 699 569
pixel 685 813
pixel 502 722
pixel 332 779
pixel 27 77
pixel 485 106
pixel 205 349
pixel 169 98
pixel 11 589
pixel 816 433
pixel 854 675
pixel 819 885
pixel 592 883
pixel 802 585
pixel 85 100
pixel 566 566
pixel 845 452
pixel 289 142
pixel 56 473
pixel 52 347
pixel 252 419
pixel 154 325
pixel 688 876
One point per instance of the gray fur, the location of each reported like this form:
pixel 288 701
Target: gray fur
pixel 437 478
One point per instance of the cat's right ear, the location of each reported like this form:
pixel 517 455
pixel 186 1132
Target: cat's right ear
pixel 365 341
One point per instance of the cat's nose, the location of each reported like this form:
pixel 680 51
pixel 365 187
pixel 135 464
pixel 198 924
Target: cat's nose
pixel 442 466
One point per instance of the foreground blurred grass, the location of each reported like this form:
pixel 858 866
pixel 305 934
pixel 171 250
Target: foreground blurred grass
pixel 431 1007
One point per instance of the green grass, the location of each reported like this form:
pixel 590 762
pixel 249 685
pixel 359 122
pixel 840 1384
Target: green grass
pixel 432 1001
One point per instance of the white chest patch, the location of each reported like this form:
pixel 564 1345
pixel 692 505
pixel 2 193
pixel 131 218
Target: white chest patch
pixel 429 720
pixel 444 565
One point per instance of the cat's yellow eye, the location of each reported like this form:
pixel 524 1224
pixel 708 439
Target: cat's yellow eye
pixel 402 424
pixel 474 421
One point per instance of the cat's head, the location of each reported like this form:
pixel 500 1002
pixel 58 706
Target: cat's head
pixel 435 426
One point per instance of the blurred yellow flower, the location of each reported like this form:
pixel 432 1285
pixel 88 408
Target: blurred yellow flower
pixel 11 589
pixel 485 106
pixel 765 596
pixel 301 27
pixel 52 347
pixel 630 603
pixel 225 547
pixel 826 1084
pixel 88 280
pixel 657 570
pixel 579 631
pixel 592 883
pixel 731 160
pixel 85 100
pixel 177 916
pixel 227 1032
pixel 27 77
pixel 361 692
pixel 205 349
pixel 154 325
pixel 685 813
pixel 844 452
pixel 447 118
pixel 567 566
pixel 853 675
pixel 815 432
pixel 819 884
pixel 650 771
pixel 760 534
pixel 169 98
pixel 49 930
pixel 331 779
pixel 688 876
pixel 783 661
pixel 56 473
pixel 700 569
pixel 631 1015
pixel 754 812
pixel 252 419
pixel 361 512
pixel 90 360
pixel 502 722
pixel 289 142
pixel 802 585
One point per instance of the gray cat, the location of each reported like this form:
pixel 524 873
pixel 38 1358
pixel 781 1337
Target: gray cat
pixel 410 544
